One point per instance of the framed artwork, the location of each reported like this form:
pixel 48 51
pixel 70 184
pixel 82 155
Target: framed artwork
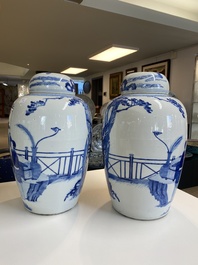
pixel 114 84
pixel 131 70
pixel 162 67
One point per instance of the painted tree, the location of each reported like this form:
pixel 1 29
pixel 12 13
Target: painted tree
pixel 75 191
pixel 164 170
pixel 118 105
pixel 112 109
pixel 36 190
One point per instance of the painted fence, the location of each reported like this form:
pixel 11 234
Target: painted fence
pixel 55 163
pixel 134 168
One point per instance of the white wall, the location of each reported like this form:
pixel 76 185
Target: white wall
pixel 181 74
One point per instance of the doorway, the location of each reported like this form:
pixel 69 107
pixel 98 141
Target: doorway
pixel 96 95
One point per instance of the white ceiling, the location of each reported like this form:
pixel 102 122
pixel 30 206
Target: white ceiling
pixel 181 8
pixel 51 35
pixel 171 12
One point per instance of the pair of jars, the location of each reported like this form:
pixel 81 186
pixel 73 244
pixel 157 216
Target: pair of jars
pixel 144 140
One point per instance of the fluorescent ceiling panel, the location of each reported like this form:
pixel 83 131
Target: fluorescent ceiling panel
pixel 113 53
pixel 73 70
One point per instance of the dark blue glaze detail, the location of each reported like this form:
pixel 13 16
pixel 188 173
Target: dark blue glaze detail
pixel 112 192
pixel 132 102
pixel 159 191
pixel 168 168
pixel 47 80
pixel 164 170
pixel 47 77
pixel 70 86
pixel 109 120
pixel 41 103
pixel 73 101
pixel 170 172
pixel 131 82
pixel 27 207
pixel 36 163
pixel 36 190
pixel 32 170
pixel 112 110
pixel 147 77
pixel 89 137
pixel 75 191
pixel 36 104
pixel 44 84
pixel 134 86
pixel 175 103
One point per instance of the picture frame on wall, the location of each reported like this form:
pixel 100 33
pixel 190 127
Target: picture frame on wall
pixel 115 81
pixel 131 70
pixel 162 67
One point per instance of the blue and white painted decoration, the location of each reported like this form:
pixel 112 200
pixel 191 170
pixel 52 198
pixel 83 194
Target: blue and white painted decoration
pixel 49 136
pixel 52 83
pixel 144 142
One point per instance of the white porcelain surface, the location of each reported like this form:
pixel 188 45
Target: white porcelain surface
pixel 89 103
pixel 49 137
pixel 144 140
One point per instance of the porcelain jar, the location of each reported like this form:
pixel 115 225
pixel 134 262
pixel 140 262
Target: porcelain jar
pixel 144 142
pixel 49 137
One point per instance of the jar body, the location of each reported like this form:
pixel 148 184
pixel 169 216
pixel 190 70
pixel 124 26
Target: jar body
pixel 49 138
pixel 144 141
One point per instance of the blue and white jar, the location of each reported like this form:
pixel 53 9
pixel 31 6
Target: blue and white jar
pixel 144 142
pixel 49 136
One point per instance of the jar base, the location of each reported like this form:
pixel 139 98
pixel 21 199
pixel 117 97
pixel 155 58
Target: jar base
pixel 49 211
pixel 139 216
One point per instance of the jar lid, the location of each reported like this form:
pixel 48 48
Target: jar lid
pixel 145 83
pixel 52 83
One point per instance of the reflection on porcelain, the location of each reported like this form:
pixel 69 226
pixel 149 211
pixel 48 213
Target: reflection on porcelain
pixel 50 134
pixel 96 154
pixel 96 143
pixel 144 142
pixel 89 103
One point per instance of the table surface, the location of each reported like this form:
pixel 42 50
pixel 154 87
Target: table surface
pixel 93 233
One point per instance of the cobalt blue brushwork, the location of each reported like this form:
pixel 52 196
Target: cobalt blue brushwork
pixel 144 141
pixel 50 136
pixel 47 80
pixel 145 81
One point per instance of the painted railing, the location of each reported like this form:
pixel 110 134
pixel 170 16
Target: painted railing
pixel 55 163
pixel 134 168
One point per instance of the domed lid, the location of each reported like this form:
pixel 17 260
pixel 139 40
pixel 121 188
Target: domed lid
pixel 145 83
pixel 52 83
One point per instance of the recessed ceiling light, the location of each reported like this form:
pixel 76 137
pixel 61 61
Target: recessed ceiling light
pixel 73 70
pixel 113 53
